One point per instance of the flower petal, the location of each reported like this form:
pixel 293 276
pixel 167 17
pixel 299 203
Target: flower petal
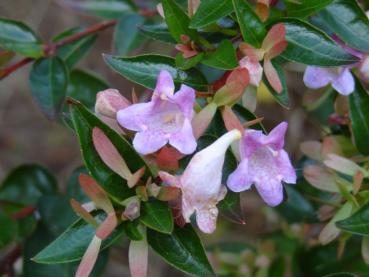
pixel 275 138
pixel 239 180
pixel 317 77
pixel 164 84
pixel 344 83
pixel 185 99
pixel 184 140
pixel 207 219
pixel 136 116
pixel 149 142
pixel 271 190
pixel 285 167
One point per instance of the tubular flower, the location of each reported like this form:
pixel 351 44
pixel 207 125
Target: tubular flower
pixel 263 163
pixel 200 183
pixel 166 118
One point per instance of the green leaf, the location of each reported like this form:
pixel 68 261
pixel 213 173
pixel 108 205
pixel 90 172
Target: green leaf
pixel 84 122
pixel 18 37
pixel 359 115
pixel 49 80
pixel 127 36
pixel 187 63
pixel 282 98
pixel 341 274
pixel 103 8
pixel 309 45
pixel 252 29
pixel 304 8
pixel 131 230
pixel 245 115
pixel 71 245
pixel 358 223
pixel 8 230
pixel 157 216
pixel 26 184
pixel 224 57
pixel 72 52
pixel 144 70
pixel 210 11
pixel 177 21
pixel 349 22
pixel 182 249
pixel 157 32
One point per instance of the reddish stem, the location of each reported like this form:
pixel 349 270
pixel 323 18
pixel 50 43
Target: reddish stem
pixel 23 213
pixel 6 265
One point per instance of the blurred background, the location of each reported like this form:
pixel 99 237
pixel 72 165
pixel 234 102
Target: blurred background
pixel 26 136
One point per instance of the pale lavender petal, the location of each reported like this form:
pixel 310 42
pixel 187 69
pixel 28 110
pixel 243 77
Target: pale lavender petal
pixel 240 179
pixel 164 84
pixel 207 219
pixel 344 83
pixel 135 117
pixel 285 167
pixel 275 138
pixel 271 191
pixel 184 140
pixel 185 99
pixel 149 142
pixel 317 77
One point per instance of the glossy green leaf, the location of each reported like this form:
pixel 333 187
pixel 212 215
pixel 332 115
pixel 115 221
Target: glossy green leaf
pixel 84 122
pixel 26 184
pixel 157 32
pixel 304 8
pixel 224 57
pixel 103 8
pixel 157 216
pixel 18 37
pixel 359 115
pixel 210 11
pixel 144 70
pixel 187 63
pixel 131 230
pixel 49 80
pixel 127 36
pixel 309 45
pixel 177 21
pixel 349 22
pixel 252 29
pixel 182 249
pixel 73 52
pixel 245 115
pixel 8 230
pixel 358 223
pixel 71 245
pixel 282 97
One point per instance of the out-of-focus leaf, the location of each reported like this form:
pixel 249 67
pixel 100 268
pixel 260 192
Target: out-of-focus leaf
pixel 158 32
pixel 26 184
pixel 309 45
pixel 127 36
pixel 18 37
pixel 341 274
pixel 71 245
pixel 144 70
pixel 182 249
pixel 157 216
pixel 358 223
pixel 177 21
pixel 210 11
pixel 304 8
pixel 72 52
pixel 224 57
pixel 252 29
pixel 5 57
pixel 349 22
pixel 103 8
pixel 282 98
pixel 8 230
pixel 359 115
pixel 49 80
pixel 84 122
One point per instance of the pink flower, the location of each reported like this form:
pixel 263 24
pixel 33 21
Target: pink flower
pixel 263 163
pixel 200 183
pixel 166 118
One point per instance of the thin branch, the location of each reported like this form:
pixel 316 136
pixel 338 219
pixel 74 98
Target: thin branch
pixel 49 49
pixel 6 264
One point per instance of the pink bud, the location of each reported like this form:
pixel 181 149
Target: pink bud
pixel 132 210
pixel 109 101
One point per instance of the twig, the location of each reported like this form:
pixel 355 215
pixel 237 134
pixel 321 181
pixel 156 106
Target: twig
pixel 49 49
pixel 6 265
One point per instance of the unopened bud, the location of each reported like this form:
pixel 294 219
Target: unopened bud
pixel 109 101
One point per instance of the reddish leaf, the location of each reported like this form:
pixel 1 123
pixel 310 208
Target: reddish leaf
pixel 272 76
pixel 275 35
pixel 89 258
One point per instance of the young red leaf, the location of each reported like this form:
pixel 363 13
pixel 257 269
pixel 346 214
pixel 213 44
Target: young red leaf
pixel 272 76
pixel 275 35
pixel 138 258
pixel 135 177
